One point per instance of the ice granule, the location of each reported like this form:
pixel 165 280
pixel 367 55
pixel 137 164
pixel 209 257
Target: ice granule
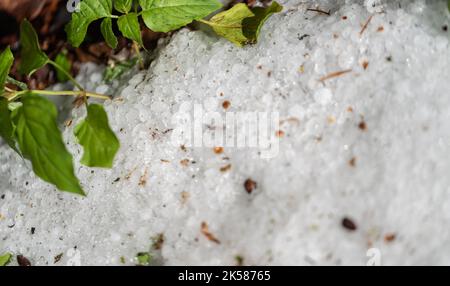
pixel 371 144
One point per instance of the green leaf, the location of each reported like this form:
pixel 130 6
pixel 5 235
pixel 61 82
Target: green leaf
pixel 40 141
pixel 32 58
pixel 115 71
pixel 5 259
pixel 90 10
pixel 108 33
pixel 448 5
pixel 253 25
pixel 6 126
pixel 146 4
pixel 168 15
pixel 6 62
pixel 229 24
pixel 129 27
pixel 63 62
pixel 123 6
pixel 98 140
pixel 143 258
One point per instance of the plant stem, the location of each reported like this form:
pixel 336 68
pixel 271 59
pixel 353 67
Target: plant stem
pixel 14 95
pixel 17 83
pixel 138 53
pixel 71 93
pixel 56 93
pixel 69 76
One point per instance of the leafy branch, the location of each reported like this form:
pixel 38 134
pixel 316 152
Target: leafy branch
pixel 29 121
pixel 240 25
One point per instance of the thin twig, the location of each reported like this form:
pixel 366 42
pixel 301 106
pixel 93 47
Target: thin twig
pixel 334 74
pixel 365 25
pixel 319 11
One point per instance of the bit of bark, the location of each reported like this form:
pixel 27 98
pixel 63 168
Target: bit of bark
pixel 365 64
pixel 334 74
pixel 390 237
pixel 205 231
pixel 349 224
pixel 226 104
pixel 319 11
pixel 68 123
pixel 225 168
pixel 218 150
pixel 290 120
pixel 158 241
pixel 352 162
pixel 58 258
pixel 23 261
pixel 362 126
pixel 143 178
pixel 250 185
pixel 185 162
pixel 184 197
pixel 279 133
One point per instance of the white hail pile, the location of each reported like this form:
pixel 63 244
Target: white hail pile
pixel 371 144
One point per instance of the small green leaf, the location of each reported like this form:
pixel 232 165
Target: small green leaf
pixel 40 141
pixel 90 10
pixel 168 15
pixel 108 33
pixel 5 259
pixel 129 26
pixel 6 62
pixel 123 6
pixel 98 140
pixel 229 24
pixel 143 258
pixel 6 126
pixel 32 58
pixel 115 71
pixel 253 25
pixel 63 62
pixel 448 4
